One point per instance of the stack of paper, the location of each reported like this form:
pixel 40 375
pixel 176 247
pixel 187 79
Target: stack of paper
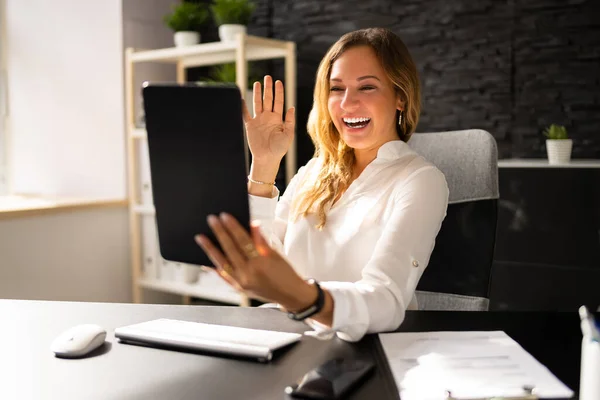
pixel 468 364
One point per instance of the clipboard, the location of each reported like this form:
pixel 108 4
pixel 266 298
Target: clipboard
pixel 528 394
pixel 397 357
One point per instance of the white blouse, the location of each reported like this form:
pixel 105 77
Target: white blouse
pixel 375 244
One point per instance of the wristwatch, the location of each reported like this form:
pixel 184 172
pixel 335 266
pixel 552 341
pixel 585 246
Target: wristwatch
pixel 313 308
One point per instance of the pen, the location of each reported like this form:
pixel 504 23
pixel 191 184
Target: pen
pixel 588 324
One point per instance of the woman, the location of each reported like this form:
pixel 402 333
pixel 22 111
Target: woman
pixel 361 217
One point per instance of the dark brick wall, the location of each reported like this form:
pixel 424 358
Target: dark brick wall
pixel 510 67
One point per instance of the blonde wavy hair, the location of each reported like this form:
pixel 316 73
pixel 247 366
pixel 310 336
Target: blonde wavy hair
pixel 337 159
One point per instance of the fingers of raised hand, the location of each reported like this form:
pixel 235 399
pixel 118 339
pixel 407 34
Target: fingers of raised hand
pixel 214 254
pixel 227 242
pixel 290 118
pixel 240 236
pixel 279 98
pixel 257 98
pixel 268 94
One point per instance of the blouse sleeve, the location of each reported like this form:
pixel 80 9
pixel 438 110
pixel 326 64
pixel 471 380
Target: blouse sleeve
pixel 379 300
pixel 273 213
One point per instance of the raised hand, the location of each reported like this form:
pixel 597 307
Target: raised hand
pixel 269 134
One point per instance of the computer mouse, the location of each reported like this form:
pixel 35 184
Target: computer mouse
pixel 78 341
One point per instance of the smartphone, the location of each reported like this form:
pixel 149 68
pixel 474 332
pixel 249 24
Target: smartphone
pixel 331 380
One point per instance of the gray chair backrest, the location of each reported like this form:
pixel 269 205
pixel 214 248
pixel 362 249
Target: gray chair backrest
pixel 458 274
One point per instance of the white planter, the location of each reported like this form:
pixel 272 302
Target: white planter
pixel 185 273
pixel 228 32
pixel 192 273
pixel 559 150
pixel 186 38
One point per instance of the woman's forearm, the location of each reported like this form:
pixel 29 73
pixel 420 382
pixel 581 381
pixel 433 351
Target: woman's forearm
pixel 325 316
pixel 263 172
pixel 304 296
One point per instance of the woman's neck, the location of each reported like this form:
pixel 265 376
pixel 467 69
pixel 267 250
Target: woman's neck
pixel 362 159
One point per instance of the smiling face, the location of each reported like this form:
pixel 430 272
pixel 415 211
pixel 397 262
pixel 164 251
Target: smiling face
pixel 362 100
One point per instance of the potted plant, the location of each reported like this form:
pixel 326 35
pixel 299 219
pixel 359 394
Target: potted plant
pixel 558 144
pixel 226 73
pixel 186 20
pixel 232 16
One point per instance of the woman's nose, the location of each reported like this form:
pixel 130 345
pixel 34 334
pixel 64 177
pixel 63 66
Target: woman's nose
pixel 349 101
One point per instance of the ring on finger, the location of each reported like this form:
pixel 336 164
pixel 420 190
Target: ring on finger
pixel 227 268
pixel 250 251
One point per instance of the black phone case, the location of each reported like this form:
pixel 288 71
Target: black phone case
pixel 331 380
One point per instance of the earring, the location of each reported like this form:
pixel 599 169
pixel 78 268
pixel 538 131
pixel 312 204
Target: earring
pixel 400 118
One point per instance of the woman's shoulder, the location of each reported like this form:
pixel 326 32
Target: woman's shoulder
pixel 414 169
pixel 412 164
pixel 313 166
pixel 308 171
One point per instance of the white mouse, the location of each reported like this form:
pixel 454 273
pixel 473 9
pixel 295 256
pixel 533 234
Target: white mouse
pixel 78 341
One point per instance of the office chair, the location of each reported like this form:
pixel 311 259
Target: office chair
pixel 458 274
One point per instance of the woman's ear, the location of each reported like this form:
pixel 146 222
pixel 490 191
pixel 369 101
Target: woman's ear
pixel 400 103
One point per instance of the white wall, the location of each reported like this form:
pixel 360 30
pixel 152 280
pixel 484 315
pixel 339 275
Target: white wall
pixel 67 109
pixel 143 28
pixel 80 255
pixel 65 79
pixel 77 255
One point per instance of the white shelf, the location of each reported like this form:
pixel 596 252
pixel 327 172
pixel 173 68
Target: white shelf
pixel 206 291
pixel 139 133
pixel 214 52
pixel 543 163
pixel 245 48
pixel 144 209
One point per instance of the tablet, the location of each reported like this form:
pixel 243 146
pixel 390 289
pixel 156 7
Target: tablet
pixel 197 163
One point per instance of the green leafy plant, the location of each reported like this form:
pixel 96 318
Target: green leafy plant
pixel 232 11
pixel 187 17
pixel 226 73
pixel 556 132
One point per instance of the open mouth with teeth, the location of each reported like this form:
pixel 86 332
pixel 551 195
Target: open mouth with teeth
pixel 356 123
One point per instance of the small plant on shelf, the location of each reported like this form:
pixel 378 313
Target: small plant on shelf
pixel 558 144
pixel 226 73
pixel 186 20
pixel 556 132
pixel 232 17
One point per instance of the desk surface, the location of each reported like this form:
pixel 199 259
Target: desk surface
pixel 118 371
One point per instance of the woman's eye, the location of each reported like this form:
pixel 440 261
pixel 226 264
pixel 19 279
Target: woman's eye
pixel 367 88
pixel 335 89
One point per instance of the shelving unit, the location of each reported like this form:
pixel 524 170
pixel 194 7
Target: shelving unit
pixel 147 265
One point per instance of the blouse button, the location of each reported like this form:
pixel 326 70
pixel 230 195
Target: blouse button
pixel 415 263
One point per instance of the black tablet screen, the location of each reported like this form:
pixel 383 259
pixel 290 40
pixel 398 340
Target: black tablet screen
pixel 197 163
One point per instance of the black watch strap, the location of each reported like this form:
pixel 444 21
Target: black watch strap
pixel 314 308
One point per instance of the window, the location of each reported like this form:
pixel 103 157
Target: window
pixel 61 105
pixel 65 128
pixel 3 103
